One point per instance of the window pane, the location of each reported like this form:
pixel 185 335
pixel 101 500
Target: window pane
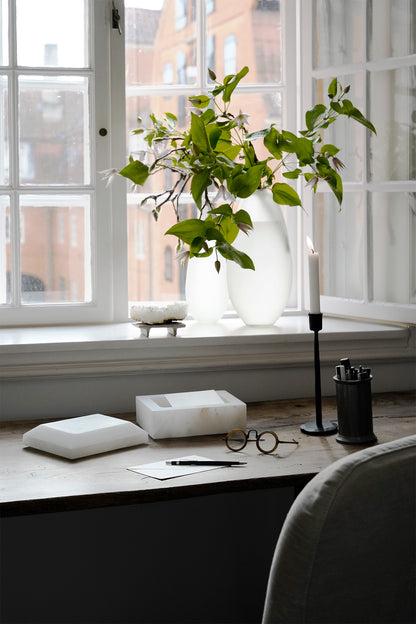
pixel 4 35
pixel 54 249
pixel 5 234
pixel 393 223
pixel 53 130
pixel 51 33
pixel 339 32
pixel 153 40
pixel 346 133
pixel 4 131
pixel 247 33
pixel 148 249
pixel 340 242
pixel 392 151
pixel 392 28
pixel 239 32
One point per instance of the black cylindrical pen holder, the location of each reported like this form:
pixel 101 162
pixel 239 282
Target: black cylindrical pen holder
pixel 355 415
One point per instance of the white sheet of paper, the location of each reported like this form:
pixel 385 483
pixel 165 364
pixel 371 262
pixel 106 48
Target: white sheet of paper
pixel 162 470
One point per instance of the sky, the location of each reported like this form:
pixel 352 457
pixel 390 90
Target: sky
pixel 144 4
pixel 36 28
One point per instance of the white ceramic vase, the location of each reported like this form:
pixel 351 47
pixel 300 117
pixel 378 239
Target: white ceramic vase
pixel 206 290
pixel 259 297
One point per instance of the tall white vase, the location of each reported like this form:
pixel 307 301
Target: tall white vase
pixel 206 290
pixel 259 297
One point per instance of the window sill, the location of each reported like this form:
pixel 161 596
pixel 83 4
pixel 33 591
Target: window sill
pixel 74 363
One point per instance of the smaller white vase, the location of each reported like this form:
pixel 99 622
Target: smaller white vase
pixel 206 290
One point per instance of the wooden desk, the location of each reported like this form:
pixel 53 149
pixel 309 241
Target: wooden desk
pixel 35 482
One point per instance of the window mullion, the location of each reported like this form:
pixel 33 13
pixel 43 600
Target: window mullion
pixel 13 104
pixel 201 44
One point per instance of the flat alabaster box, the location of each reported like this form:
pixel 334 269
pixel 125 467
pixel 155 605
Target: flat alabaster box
pixel 184 414
pixel 85 435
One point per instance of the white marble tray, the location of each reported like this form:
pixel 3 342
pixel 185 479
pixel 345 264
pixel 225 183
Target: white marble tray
pixel 86 435
pixel 187 414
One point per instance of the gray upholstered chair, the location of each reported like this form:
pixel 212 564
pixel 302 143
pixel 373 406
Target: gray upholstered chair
pixel 346 552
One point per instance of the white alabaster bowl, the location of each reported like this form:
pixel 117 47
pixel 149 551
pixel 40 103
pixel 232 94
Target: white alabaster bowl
pixel 157 312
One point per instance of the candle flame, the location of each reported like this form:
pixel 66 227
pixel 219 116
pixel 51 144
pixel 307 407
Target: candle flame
pixel 310 244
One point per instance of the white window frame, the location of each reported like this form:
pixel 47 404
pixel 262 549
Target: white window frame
pixel 109 236
pixel 365 308
pixel 108 213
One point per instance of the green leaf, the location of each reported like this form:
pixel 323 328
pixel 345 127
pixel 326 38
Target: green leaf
pixel 232 82
pixel 258 134
pixel 214 134
pixel 293 175
pixel 347 107
pixel 229 229
pixel 188 230
pixel 135 171
pixel 335 183
pixel 196 245
pixel 242 216
pixel 358 116
pixel 231 253
pixel 228 149
pixel 199 101
pixel 244 184
pixel 313 115
pixel 200 182
pixel 304 151
pixel 333 88
pixel 332 150
pixel 213 233
pixel 285 195
pixel 199 134
pixel 271 143
pixel 207 116
pixel 336 106
pixel 224 209
pixel 249 154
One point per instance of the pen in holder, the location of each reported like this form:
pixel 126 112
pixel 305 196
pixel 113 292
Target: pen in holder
pixel 317 427
pixel 353 392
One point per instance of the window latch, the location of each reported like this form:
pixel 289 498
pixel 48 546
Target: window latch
pixel 116 19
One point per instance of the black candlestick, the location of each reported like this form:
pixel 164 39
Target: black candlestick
pixel 318 427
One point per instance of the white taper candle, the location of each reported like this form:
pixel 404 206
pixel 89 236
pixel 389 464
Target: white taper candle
pixel 314 292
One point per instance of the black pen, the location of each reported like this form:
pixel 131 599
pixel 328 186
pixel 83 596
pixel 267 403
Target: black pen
pixel 203 462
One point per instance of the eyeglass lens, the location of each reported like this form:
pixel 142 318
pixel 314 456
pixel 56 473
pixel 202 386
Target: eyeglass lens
pixel 236 440
pixel 267 442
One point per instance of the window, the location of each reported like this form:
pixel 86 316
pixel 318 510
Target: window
pixel 56 119
pixel 180 19
pixel 52 100
pixel 168 74
pixel 168 263
pixel 368 248
pixel 211 55
pixel 230 55
pixel 208 40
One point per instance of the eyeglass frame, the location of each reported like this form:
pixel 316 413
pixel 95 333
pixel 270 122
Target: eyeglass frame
pixel 256 440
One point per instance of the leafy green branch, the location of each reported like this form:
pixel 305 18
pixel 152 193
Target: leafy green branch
pixel 215 159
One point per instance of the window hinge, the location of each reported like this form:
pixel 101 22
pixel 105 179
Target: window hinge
pixel 116 19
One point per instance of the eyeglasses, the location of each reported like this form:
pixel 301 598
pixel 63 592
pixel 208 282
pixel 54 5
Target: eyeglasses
pixel 266 441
